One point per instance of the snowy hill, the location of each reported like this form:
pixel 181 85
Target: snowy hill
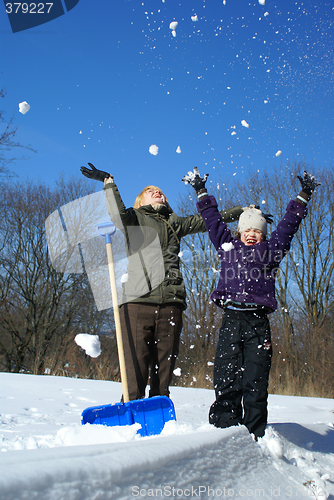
pixel 47 454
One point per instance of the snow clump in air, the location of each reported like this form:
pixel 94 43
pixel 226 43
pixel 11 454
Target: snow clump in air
pixel 153 149
pixel 178 149
pixel 262 2
pixel 89 343
pixel 24 107
pixel 279 152
pixel 173 26
pixel 244 123
pixel 177 372
pixel 194 18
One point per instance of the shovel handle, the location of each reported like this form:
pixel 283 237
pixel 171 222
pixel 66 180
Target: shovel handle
pixel 119 338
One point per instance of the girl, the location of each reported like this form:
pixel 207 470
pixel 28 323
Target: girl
pixel 246 293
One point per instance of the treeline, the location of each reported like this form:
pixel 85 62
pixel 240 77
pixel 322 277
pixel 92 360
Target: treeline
pixel 42 309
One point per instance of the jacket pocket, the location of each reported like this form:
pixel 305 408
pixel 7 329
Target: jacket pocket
pixel 175 284
pixel 174 277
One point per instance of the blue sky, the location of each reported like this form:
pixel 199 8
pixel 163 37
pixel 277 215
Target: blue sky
pixel 108 79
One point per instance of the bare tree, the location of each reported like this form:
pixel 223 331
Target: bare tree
pixel 41 308
pixel 8 132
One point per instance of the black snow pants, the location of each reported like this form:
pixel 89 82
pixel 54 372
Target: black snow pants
pixel 241 372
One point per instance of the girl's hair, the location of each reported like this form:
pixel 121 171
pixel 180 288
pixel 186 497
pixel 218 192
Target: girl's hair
pixel 140 197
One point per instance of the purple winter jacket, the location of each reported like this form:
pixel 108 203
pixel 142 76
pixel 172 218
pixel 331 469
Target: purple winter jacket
pixel 247 273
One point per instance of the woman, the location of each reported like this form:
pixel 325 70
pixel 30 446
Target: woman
pixel 154 295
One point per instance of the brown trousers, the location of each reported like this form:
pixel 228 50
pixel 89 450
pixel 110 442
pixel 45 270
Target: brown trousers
pixel 151 336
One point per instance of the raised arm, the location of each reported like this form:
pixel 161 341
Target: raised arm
pixel 296 211
pixel 213 219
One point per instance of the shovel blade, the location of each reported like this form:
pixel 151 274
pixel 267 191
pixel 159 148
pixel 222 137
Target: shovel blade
pixel 111 415
pixel 151 414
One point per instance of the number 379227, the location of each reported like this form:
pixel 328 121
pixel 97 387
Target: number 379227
pixel 28 8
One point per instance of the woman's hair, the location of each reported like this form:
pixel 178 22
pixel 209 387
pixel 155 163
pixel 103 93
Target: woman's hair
pixel 139 198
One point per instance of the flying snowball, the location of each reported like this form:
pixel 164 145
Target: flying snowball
pixel 153 149
pixel 178 149
pixel 233 133
pixel 24 107
pixel 173 25
pixel 262 2
pixel 177 372
pixel 174 33
pixel 194 18
pixel 278 153
pixel 89 343
pixel 244 123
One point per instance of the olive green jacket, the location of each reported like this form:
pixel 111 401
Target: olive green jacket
pixel 152 238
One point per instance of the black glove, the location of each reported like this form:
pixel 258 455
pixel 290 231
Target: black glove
pixel 308 183
pixel 268 217
pixel 195 180
pixel 94 173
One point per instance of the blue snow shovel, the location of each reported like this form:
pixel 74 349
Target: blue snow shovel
pixel 151 413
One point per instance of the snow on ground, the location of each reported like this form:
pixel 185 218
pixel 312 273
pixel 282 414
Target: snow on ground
pixel 47 454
